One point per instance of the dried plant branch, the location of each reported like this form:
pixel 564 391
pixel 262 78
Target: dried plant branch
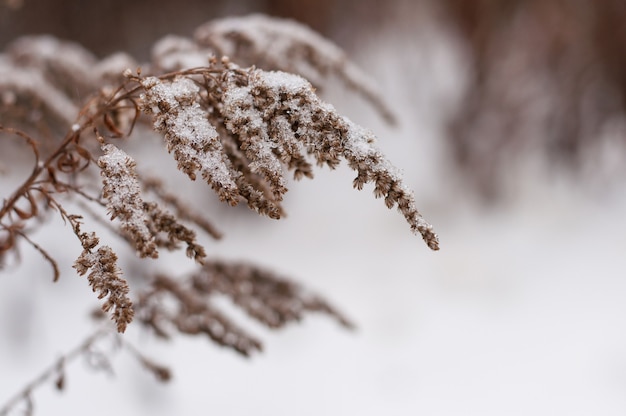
pixel 105 279
pixel 266 122
pixel 55 267
pixel 104 274
pixel 160 372
pixel 240 128
pixel 182 211
pixel 276 120
pixel 122 190
pixel 28 87
pixel 55 373
pixel 194 315
pixel 268 298
pixel 265 296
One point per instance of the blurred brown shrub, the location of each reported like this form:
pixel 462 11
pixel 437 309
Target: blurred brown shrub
pixel 548 76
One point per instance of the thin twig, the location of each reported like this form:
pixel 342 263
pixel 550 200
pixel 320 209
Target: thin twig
pixel 44 253
pixel 51 372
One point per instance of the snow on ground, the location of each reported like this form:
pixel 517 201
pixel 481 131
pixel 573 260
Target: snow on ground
pixel 520 313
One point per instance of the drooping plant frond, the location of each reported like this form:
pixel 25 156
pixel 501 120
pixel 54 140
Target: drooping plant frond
pixel 278 122
pixel 243 128
pixel 265 296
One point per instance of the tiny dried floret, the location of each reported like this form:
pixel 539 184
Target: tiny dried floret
pixel 105 279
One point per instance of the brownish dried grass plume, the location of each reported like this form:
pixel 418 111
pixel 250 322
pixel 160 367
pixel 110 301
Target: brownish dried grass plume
pixel 239 128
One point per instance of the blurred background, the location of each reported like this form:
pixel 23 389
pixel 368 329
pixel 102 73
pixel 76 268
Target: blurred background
pixel 511 132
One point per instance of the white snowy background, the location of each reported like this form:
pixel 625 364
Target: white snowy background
pixel 521 312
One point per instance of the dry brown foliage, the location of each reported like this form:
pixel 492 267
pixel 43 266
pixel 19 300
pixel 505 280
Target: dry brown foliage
pixel 239 128
pixel 546 75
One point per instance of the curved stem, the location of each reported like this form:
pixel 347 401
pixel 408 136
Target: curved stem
pixel 55 370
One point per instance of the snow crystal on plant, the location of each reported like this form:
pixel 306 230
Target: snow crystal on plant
pixel 283 81
pixel 123 194
pixel 168 96
pixel 196 134
pixel 249 122
pixel 359 141
pixel 189 135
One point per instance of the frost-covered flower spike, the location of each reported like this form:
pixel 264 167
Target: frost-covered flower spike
pixel 141 221
pixel 241 128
